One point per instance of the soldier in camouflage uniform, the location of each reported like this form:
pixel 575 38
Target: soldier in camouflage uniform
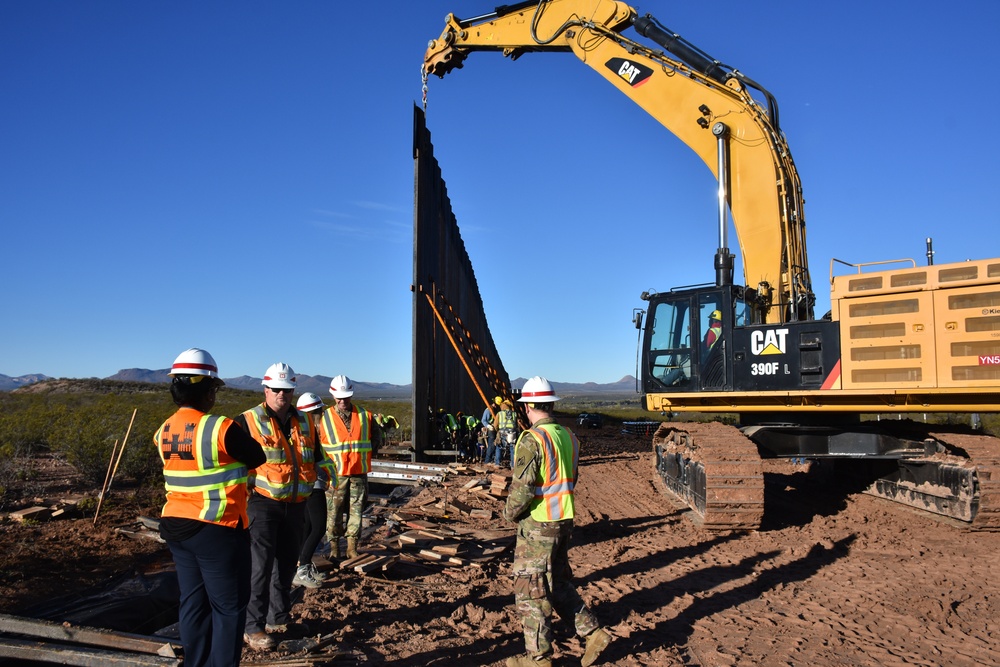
pixel 541 501
pixel 349 435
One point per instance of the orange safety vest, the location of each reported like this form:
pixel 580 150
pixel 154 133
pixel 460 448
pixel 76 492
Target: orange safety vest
pixel 350 450
pixel 203 481
pixel 556 478
pixel 290 470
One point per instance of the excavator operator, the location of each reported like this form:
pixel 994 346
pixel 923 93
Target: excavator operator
pixel 714 329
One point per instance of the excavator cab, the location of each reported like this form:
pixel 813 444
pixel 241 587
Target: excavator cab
pixel 686 349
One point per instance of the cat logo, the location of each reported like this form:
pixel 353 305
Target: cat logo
pixel 770 341
pixel 632 73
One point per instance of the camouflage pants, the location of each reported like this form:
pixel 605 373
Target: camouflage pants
pixel 543 582
pixel 347 498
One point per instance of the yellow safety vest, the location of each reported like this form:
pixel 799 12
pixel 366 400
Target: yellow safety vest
pixel 506 419
pixel 556 480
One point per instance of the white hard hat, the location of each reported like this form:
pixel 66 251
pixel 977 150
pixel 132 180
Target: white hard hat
pixel 309 401
pixel 279 376
pixel 537 390
pixel 341 387
pixel 196 362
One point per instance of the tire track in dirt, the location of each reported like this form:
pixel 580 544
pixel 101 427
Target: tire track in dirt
pixel 871 583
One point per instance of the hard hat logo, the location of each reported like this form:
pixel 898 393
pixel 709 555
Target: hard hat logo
pixel 341 387
pixel 279 376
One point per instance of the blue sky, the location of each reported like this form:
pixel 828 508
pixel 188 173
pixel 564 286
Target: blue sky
pixel 238 176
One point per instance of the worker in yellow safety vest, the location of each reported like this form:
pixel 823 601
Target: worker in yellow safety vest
pixel 542 503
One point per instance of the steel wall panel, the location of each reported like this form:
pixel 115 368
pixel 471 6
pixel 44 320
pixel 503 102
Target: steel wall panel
pixel 455 363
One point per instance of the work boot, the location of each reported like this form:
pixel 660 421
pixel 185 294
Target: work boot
pixel 303 577
pixel 529 661
pixel 597 641
pixel 259 641
pixel 352 547
pixel 330 548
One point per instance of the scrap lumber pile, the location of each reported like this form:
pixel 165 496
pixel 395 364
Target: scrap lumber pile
pixel 48 509
pixel 451 523
pixel 461 546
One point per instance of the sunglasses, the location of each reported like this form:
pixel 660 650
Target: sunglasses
pixel 276 390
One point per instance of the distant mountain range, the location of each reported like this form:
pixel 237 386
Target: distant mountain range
pixel 320 384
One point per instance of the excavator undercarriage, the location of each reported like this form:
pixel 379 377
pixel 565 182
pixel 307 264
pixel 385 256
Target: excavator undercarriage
pixel 717 471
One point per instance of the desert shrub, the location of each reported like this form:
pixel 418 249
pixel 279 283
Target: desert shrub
pixel 88 435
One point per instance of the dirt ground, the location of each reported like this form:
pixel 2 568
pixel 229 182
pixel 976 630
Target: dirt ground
pixel 831 579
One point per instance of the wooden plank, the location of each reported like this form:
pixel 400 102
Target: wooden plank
pixel 448 549
pixel 380 563
pixel 84 656
pixel 33 627
pixel 415 538
pixel 481 514
pixel 31 514
pixel 351 562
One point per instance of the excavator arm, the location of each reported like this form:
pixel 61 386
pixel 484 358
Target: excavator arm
pixel 706 104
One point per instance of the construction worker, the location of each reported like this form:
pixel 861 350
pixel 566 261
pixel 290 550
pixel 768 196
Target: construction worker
pixel 278 493
pixel 451 430
pixel 471 437
pixel 489 422
pixel 315 522
pixel 461 434
pixel 204 521
pixel 389 427
pixel 714 329
pixel 349 435
pixel 507 432
pixel 542 503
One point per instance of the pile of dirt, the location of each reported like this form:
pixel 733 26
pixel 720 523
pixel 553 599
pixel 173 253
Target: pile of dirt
pixel 833 578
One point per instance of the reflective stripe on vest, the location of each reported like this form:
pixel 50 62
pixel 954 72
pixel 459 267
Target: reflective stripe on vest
pixel 350 450
pixel 289 473
pixel 556 479
pixel 202 481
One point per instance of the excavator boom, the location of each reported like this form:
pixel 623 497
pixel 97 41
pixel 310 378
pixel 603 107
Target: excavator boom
pixel 705 104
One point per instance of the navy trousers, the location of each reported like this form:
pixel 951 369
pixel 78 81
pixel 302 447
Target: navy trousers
pixel 213 571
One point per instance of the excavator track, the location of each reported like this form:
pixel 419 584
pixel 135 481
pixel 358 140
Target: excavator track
pixel 966 485
pixel 983 454
pixel 961 481
pixel 715 470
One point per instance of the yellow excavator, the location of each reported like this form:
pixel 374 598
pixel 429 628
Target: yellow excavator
pixel 900 338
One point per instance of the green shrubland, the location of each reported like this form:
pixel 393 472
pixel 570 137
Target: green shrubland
pixel 82 420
